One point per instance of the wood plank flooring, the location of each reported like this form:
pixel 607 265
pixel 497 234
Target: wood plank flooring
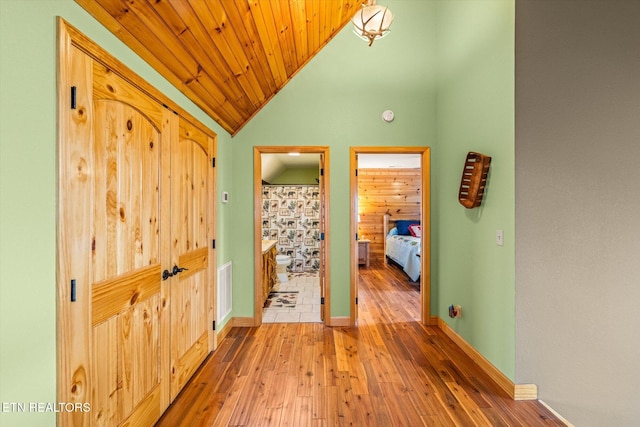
pixel 389 371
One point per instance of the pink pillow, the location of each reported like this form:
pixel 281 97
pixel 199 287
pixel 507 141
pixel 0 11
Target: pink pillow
pixel 415 230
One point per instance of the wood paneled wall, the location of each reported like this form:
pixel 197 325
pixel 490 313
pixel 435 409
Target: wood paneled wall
pixel 380 191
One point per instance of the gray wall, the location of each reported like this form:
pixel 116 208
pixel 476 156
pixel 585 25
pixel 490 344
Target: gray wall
pixel 578 207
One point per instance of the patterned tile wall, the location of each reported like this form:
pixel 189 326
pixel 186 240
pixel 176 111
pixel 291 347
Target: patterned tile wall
pixel 291 215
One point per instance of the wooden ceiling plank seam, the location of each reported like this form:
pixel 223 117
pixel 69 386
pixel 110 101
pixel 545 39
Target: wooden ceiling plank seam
pixel 264 18
pixel 226 86
pixel 326 20
pixel 308 10
pixel 209 86
pixel 229 120
pixel 208 91
pixel 284 28
pixel 336 17
pixel 293 35
pixel 313 27
pixel 265 43
pixel 150 30
pixel 318 25
pixel 188 31
pixel 174 14
pixel 244 27
pixel 202 24
pixel 232 40
pixel 300 30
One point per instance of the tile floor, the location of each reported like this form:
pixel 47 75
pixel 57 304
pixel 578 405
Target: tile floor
pixel 307 309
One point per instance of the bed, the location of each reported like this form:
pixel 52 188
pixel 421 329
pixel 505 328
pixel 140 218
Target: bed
pixel 402 244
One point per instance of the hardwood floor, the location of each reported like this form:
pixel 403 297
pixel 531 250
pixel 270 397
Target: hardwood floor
pixel 388 371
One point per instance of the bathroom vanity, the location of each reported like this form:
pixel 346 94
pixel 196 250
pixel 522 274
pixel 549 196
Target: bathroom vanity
pixel 269 277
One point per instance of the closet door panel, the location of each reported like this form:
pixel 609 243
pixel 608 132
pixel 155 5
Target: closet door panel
pixel 126 273
pixel 190 237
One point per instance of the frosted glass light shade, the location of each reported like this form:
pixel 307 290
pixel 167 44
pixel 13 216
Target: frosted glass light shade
pixel 372 22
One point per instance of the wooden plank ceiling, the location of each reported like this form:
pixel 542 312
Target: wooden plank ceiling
pixel 230 57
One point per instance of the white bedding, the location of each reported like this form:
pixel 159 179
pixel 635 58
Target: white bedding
pixel 405 250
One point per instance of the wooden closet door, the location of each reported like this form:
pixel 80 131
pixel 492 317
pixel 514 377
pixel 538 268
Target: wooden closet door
pixel 111 253
pixel 126 299
pixel 192 288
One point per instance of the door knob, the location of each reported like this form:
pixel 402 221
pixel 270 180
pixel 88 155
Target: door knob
pixel 177 270
pixel 166 275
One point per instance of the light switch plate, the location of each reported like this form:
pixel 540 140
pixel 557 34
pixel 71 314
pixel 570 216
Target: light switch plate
pixel 499 238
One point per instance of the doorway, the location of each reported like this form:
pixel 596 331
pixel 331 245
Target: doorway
pixel 291 237
pixel 423 215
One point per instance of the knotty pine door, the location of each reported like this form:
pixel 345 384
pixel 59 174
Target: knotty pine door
pixel 191 205
pixel 135 195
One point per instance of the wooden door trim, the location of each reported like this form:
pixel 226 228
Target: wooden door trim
pixel 257 220
pixel 425 209
pixel 73 379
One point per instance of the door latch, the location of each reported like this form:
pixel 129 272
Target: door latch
pixel 177 270
pixel 174 272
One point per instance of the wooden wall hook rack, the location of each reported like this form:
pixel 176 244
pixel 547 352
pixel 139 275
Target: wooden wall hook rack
pixel 474 179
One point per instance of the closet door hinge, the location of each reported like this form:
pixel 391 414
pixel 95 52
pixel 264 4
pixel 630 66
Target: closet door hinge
pixel 321 236
pixel 321 171
pixel 213 162
pixel 213 326
pixel 73 97
pixel 356 172
pixel 73 290
pixel 322 301
pixel 213 244
pixel 356 300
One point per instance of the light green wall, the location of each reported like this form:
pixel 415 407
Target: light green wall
pixel 28 192
pixel 476 113
pixel 297 176
pixel 337 100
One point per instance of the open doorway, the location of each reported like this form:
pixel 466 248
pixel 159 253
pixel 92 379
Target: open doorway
pixel 291 236
pixel 397 194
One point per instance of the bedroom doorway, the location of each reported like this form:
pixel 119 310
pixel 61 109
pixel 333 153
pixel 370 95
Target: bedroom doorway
pixel 291 234
pixel 368 242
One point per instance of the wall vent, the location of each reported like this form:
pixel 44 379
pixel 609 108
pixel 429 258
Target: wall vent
pixel 224 290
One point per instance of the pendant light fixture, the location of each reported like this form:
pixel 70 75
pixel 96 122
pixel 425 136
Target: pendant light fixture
pixel 372 22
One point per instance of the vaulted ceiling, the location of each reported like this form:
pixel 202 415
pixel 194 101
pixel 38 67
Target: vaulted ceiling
pixel 230 57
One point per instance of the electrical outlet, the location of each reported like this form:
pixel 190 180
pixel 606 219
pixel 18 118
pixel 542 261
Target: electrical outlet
pixel 455 311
